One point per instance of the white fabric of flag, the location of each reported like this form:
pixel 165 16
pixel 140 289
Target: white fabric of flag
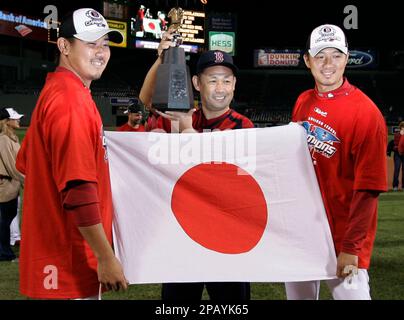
pixel 235 205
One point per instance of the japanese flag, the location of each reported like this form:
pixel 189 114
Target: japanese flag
pixel 236 205
pixel 151 25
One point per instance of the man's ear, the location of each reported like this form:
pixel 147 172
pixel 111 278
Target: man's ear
pixel 306 60
pixel 63 46
pixel 195 81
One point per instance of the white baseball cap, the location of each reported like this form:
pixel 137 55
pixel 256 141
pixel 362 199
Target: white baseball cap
pixel 327 36
pixel 10 113
pixel 88 25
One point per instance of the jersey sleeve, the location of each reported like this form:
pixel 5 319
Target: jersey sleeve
pixel 369 151
pixel 296 110
pixel 362 212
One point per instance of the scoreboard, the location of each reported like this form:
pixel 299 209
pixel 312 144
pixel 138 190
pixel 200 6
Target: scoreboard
pixel 193 28
pixel 147 24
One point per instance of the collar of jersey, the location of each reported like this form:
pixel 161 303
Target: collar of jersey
pixel 70 74
pixel 213 120
pixel 343 90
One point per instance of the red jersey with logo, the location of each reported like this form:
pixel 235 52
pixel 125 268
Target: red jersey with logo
pixel 347 138
pixel 64 142
pixel 229 120
pixel 127 127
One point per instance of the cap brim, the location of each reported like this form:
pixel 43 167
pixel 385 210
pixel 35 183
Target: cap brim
pixel 314 51
pixel 226 64
pixel 113 35
pixel 16 117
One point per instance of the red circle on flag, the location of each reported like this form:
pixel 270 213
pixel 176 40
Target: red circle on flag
pixel 152 26
pixel 221 207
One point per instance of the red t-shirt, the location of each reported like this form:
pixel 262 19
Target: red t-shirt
pixel 347 139
pixel 127 127
pixel 401 146
pixel 229 120
pixel 64 142
pixel 397 137
pixel 151 121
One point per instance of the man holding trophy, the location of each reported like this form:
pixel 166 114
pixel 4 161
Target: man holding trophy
pixel 215 81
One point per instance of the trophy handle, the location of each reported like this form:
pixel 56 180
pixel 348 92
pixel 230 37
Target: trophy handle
pixel 176 16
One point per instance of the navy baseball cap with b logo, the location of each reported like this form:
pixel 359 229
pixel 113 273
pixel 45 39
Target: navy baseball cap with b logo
pixel 88 25
pixel 213 58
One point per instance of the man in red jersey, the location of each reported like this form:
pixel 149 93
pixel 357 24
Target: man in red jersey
pixel 398 159
pixel 215 81
pixel 347 139
pixel 400 147
pixel 134 123
pixel 66 248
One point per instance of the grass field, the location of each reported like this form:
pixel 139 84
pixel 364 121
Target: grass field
pixel 386 272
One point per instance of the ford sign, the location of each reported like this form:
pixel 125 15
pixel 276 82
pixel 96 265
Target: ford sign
pixel 360 59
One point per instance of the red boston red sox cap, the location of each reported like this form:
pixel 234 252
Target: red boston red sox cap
pixel 213 58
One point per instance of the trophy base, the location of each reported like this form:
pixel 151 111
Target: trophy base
pixel 164 108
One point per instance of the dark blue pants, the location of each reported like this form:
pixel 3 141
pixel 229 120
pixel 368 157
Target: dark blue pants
pixel 8 211
pixel 398 163
pixel 218 291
